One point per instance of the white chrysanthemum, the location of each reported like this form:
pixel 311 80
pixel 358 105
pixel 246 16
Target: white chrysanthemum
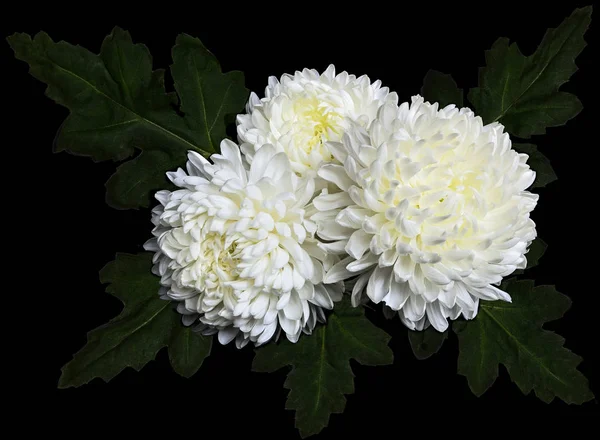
pixel 433 212
pixel 300 113
pixel 236 248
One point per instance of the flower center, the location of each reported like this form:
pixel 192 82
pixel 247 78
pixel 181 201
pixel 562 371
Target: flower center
pixel 209 263
pixel 318 122
pixel 228 258
pixel 221 256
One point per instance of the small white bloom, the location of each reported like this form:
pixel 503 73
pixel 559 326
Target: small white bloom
pixel 301 112
pixel 236 248
pixel 433 211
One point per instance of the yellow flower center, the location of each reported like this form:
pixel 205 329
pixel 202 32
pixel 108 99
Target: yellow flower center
pixel 318 121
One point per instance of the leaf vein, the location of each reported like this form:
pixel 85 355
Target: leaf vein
pixel 220 109
pixel 202 101
pixel 523 347
pixel 351 336
pixel 503 113
pixel 122 77
pixel 105 127
pixel 119 342
pixel 100 92
pixel 320 375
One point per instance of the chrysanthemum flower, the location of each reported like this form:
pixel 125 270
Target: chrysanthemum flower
pixel 433 211
pixel 300 113
pixel 235 247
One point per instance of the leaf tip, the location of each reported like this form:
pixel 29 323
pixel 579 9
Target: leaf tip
pixel 306 433
pixel 18 41
pixel 62 384
pixel 16 36
pixel 586 10
pixel 479 391
pixel 119 33
pixel 184 38
pixel 181 372
pixel 586 396
pixel 65 381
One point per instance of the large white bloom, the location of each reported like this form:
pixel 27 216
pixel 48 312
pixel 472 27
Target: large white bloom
pixel 435 212
pixel 235 247
pixel 300 113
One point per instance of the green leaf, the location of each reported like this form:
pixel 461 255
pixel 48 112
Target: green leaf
pixel 522 92
pixel 133 338
pixel 116 101
pixel 207 95
pixel 440 87
pixel 536 251
pixel 129 188
pixel 538 163
pixel 321 372
pixel 187 350
pixel 427 342
pixel 117 104
pixel 511 334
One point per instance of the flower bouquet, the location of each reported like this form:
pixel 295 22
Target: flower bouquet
pixel 333 194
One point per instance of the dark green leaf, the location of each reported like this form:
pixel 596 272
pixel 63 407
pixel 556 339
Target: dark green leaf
pixel 129 188
pixel 187 350
pixel 207 95
pixel 522 92
pixel 427 342
pixel 132 339
pixel 321 372
pixel 536 251
pixel 511 334
pixel 538 163
pixel 117 103
pixel 440 87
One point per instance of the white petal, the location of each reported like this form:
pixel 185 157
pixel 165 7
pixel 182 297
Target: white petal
pixel 358 244
pixel 293 309
pixel 328 202
pixel 227 335
pixel 338 272
pixel 267 333
pixel 277 167
pixel 404 268
pixel 322 298
pixel 283 300
pixel 198 161
pixel 352 217
pixel 260 162
pixel 489 293
pixel 231 152
pixel 367 260
pixel 435 317
pixel 290 327
pixel 307 291
pixel 379 283
pixel 414 308
pixel 358 288
pixel 331 231
pixel 398 295
pixel 334 247
pixel 434 275
pixel 336 174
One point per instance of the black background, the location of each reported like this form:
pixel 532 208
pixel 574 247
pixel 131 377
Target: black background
pixel 57 207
